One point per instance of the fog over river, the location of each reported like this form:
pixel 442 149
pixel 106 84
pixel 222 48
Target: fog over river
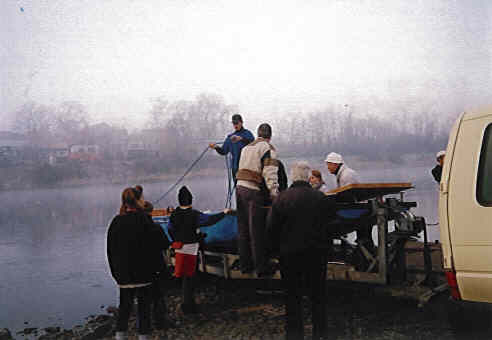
pixel 53 265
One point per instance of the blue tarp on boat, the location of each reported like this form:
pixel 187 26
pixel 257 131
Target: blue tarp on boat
pixel 352 213
pixel 224 230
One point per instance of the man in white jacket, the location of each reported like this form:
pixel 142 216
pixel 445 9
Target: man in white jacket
pixel 257 178
pixel 345 175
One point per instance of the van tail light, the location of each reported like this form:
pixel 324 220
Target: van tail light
pixel 453 284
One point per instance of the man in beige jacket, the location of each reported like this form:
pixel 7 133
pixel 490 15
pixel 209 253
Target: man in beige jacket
pixel 257 178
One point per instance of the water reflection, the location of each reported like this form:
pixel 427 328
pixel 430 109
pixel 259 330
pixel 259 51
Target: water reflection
pixel 52 251
pixel 53 262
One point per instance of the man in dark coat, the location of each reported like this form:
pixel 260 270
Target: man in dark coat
pixel 437 170
pixel 296 232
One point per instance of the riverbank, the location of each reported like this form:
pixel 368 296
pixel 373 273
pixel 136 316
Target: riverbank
pixel 255 310
pixel 71 175
pixel 17 179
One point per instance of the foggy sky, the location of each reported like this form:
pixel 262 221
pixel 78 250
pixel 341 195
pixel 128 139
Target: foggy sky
pixel 267 57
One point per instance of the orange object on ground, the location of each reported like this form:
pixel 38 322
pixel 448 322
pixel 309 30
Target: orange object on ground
pixel 185 265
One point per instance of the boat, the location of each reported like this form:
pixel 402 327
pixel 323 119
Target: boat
pixel 404 260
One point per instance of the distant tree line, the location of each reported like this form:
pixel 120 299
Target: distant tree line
pixel 44 125
pixel 176 131
pixel 369 136
pixel 348 130
pixel 184 126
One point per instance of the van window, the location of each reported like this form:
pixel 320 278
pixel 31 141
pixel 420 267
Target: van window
pixel 484 182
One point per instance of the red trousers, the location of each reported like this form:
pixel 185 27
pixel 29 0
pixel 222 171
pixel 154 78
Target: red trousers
pixel 185 265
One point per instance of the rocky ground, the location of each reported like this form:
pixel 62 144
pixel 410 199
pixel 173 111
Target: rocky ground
pixel 241 310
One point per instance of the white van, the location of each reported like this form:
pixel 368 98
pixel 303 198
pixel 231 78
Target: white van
pixel 465 208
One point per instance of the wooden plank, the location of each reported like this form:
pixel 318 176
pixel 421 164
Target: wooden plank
pixel 223 268
pixel 346 272
pixel 366 277
pixel 160 212
pixel 374 186
pixel 364 191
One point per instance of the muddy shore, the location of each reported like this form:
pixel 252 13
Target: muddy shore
pixel 255 310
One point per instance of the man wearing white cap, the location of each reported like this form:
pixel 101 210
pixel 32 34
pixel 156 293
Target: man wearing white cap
pixel 336 166
pixel 437 171
pixel 346 176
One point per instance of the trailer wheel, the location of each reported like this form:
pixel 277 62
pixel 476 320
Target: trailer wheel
pixel 469 319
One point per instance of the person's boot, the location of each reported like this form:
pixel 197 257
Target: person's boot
pixel 195 309
pixel 121 336
pixel 185 309
pixel 267 269
pixel 244 267
pixel 169 323
pixel 190 308
pixel 187 290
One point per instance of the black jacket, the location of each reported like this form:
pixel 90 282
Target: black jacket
pixel 282 177
pixel 134 248
pixel 437 172
pixel 161 243
pixel 183 224
pixel 295 222
pixel 282 183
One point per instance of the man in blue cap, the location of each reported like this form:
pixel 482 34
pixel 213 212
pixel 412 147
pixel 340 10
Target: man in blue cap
pixel 234 143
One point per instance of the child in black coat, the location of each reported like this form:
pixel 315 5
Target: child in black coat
pixel 183 223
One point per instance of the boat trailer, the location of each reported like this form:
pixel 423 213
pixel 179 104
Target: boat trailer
pixel 397 260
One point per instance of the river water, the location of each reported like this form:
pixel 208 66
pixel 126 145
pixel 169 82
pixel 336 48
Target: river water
pixel 53 269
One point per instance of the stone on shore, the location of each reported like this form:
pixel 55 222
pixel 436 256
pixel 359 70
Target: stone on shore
pixel 239 310
pixel 61 335
pixel 51 330
pixel 28 331
pixel 5 334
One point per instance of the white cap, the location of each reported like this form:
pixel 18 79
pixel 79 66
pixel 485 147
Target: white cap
pixel 440 154
pixel 334 158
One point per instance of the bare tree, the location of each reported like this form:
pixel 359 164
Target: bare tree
pixel 212 117
pixel 159 114
pixel 36 122
pixel 71 122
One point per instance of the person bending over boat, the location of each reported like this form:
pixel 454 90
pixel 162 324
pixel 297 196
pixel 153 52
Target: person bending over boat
pixel 336 166
pixel 132 244
pixel 346 176
pixel 297 234
pixel 234 143
pixel 183 223
pixel 258 166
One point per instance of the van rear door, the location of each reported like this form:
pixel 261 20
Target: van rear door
pixel 443 198
pixel 469 208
